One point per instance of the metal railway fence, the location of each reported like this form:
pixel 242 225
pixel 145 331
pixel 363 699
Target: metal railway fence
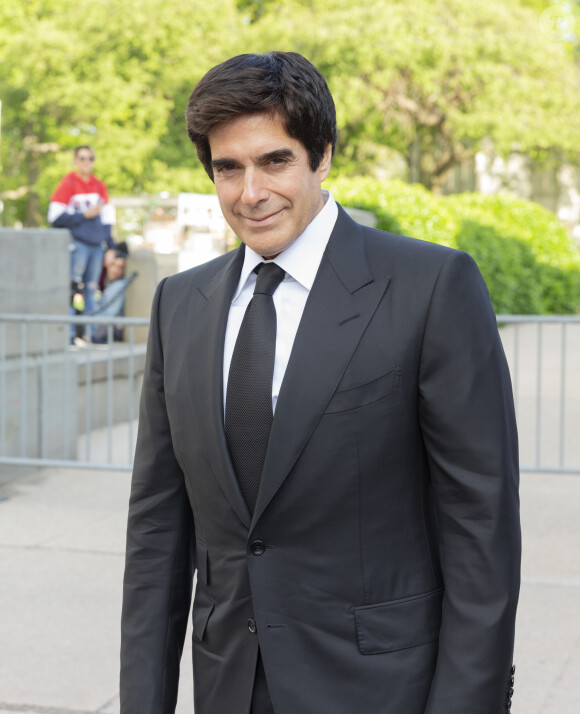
pixel 543 353
pixel 65 406
pixel 69 405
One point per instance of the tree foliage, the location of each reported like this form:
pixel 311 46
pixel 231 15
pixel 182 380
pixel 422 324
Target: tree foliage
pixel 432 78
pixel 524 253
pixel 426 80
pixel 117 79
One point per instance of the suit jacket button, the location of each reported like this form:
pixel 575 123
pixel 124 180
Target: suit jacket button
pixel 252 626
pixel 258 547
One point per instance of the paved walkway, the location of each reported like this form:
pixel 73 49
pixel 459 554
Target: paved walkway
pixel 62 538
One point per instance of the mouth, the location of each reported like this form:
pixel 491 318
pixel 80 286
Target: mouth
pixel 264 220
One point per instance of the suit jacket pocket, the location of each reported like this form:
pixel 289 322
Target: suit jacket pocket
pixel 202 608
pixel 364 394
pixel 399 624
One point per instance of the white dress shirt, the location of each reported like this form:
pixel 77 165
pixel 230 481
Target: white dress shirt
pixel 301 261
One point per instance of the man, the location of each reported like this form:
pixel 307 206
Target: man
pixel 372 566
pixel 81 204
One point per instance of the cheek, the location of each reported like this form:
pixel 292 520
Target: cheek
pixel 226 197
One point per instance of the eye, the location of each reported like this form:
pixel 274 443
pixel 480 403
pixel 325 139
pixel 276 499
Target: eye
pixel 277 162
pixel 224 168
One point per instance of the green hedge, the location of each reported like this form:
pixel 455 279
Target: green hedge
pixel 524 253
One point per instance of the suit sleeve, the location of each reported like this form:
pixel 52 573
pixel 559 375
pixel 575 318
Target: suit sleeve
pixel 469 431
pixel 160 556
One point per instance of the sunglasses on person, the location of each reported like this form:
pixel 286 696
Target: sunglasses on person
pixel 86 158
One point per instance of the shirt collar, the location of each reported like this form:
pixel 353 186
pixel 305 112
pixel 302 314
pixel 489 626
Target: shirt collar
pixel 301 259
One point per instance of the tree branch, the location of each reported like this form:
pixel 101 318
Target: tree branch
pixel 30 144
pixel 15 194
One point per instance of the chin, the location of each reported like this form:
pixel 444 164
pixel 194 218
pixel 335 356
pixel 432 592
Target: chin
pixel 270 250
pixel 264 246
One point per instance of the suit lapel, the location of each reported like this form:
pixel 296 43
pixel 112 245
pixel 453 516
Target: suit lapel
pixel 343 299
pixel 209 314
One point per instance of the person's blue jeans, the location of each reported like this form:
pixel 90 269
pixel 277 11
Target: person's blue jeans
pixel 86 267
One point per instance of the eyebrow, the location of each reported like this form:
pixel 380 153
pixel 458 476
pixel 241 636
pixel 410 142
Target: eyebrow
pixel 262 159
pixel 277 154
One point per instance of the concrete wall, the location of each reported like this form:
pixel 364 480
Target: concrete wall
pixel 108 385
pixel 151 268
pixel 48 401
pixel 34 278
pixel 38 417
pixel 45 397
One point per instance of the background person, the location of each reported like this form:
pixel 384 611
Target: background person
pixel 331 443
pixel 81 204
pixel 114 290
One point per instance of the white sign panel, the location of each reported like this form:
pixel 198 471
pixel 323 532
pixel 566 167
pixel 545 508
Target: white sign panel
pixel 201 211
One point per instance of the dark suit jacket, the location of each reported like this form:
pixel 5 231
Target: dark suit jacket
pixel 388 575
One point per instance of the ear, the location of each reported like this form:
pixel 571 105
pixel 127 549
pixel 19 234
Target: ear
pixel 324 167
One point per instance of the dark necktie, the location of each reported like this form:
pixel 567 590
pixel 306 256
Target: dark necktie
pixel 249 392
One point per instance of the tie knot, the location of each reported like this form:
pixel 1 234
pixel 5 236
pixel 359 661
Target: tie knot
pixel 270 276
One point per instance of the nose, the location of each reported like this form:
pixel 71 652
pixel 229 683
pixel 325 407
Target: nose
pixel 254 189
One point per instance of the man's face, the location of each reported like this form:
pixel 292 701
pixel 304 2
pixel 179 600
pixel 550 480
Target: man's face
pixel 84 162
pixel 266 189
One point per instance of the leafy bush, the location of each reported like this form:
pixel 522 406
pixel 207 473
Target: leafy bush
pixel 556 262
pixel 524 253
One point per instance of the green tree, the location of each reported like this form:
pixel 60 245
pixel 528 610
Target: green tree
pixel 431 79
pixel 524 252
pixel 427 81
pixel 118 79
pixel 560 22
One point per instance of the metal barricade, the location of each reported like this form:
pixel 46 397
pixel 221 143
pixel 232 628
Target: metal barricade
pixel 63 404
pixel 543 353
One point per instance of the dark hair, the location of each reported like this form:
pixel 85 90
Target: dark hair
pixel 84 146
pixel 283 84
pixel 121 250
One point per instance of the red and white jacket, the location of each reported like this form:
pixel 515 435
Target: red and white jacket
pixel 73 196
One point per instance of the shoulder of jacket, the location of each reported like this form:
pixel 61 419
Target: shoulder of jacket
pixel 68 180
pixel 415 247
pixel 396 254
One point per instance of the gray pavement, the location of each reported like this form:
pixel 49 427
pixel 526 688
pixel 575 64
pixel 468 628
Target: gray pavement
pixel 62 538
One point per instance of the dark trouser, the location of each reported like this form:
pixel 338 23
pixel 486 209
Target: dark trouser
pixel 261 702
